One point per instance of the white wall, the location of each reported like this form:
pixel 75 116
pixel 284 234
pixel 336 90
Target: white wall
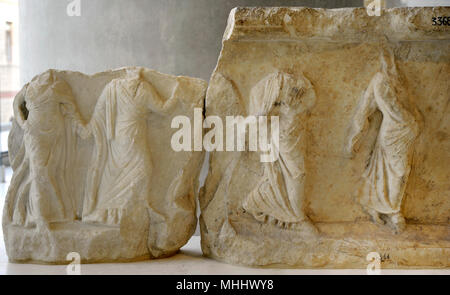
pixel 172 36
pixel 414 3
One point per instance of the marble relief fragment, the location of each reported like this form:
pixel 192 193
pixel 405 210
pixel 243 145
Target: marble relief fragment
pixel 94 172
pixel 363 163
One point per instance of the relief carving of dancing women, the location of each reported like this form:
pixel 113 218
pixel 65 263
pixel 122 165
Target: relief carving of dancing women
pixel 40 190
pixel 279 196
pixel 121 166
pixel 386 175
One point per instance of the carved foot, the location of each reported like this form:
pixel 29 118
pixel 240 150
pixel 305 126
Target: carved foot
pixel 309 227
pixel 375 216
pixel 306 225
pixel 398 222
pixel 41 224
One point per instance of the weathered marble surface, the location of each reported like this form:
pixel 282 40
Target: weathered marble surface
pixel 366 165
pixel 93 169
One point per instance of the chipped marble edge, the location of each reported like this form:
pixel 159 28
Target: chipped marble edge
pixel 336 25
pixel 122 70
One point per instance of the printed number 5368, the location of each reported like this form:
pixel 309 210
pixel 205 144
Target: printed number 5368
pixel 441 21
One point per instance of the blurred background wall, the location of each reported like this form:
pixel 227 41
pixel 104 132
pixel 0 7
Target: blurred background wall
pixel 181 37
pixel 9 57
pixel 416 3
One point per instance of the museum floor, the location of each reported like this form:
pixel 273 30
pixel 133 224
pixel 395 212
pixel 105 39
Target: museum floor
pixel 188 262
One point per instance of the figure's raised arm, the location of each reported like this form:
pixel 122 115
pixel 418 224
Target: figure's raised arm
pixel 102 114
pixel 360 121
pixel 69 108
pixel 155 101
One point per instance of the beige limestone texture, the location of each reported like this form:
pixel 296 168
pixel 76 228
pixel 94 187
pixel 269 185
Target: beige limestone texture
pixel 93 169
pixel 364 166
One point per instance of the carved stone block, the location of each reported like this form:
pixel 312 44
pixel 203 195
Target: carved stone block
pixel 363 152
pixel 93 169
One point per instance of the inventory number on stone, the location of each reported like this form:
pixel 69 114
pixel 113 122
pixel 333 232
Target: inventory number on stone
pixel 441 21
